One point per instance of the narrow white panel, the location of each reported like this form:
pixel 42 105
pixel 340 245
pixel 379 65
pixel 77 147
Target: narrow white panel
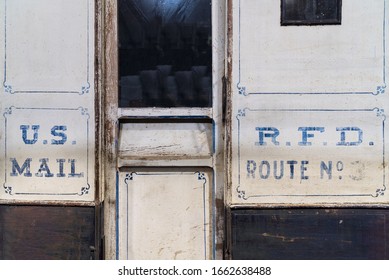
pixel 165 215
pixel 177 140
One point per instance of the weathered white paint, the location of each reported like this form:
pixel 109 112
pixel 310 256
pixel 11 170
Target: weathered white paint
pixel 165 146
pixel 124 113
pixel 109 56
pixel 165 215
pixel 303 156
pixel 315 95
pixel 301 59
pixel 219 8
pixel 47 105
pixel 46 157
pixel 47 46
pixel 166 140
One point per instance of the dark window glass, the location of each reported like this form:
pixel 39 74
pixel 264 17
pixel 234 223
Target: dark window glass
pixel 165 55
pixel 310 12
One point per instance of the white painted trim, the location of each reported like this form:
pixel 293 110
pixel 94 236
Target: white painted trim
pixel 164 112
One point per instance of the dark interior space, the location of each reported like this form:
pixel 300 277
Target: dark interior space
pixel 165 54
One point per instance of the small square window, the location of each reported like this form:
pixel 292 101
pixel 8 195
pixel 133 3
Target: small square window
pixel 311 12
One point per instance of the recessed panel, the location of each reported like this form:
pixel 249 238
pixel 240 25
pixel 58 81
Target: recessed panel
pixel 41 56
pixel 333 59
pixel 165 215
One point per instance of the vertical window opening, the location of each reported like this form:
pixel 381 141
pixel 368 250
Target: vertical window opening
pixel 165 53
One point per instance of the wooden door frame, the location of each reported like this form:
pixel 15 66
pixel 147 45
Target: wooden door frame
pixel 110 113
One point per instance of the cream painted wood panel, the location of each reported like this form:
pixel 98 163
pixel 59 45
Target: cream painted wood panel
pixel 308 107
pixel 306 156
pixel 42 157
pixel 165 215
pixel 47 46
pixel 47 124
pixel 271 58
pixel 182 140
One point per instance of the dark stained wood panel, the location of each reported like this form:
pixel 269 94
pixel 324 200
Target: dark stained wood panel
pixel 1 238
pixel 46 232
pixel 310 234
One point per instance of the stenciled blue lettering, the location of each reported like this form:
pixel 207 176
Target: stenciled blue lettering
pixel 306 135
pixel 44 168
pixel 303 168
pixel 278 177
pixel 58 132
pixel 61 162
pixel 251 167
pixel 24 129
pixel 272 133
pixel 73 173
pixel 327 168
pixel 17 170
pixel 277 169
pixel 343 131
pixel 291 166
pixel 262 164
